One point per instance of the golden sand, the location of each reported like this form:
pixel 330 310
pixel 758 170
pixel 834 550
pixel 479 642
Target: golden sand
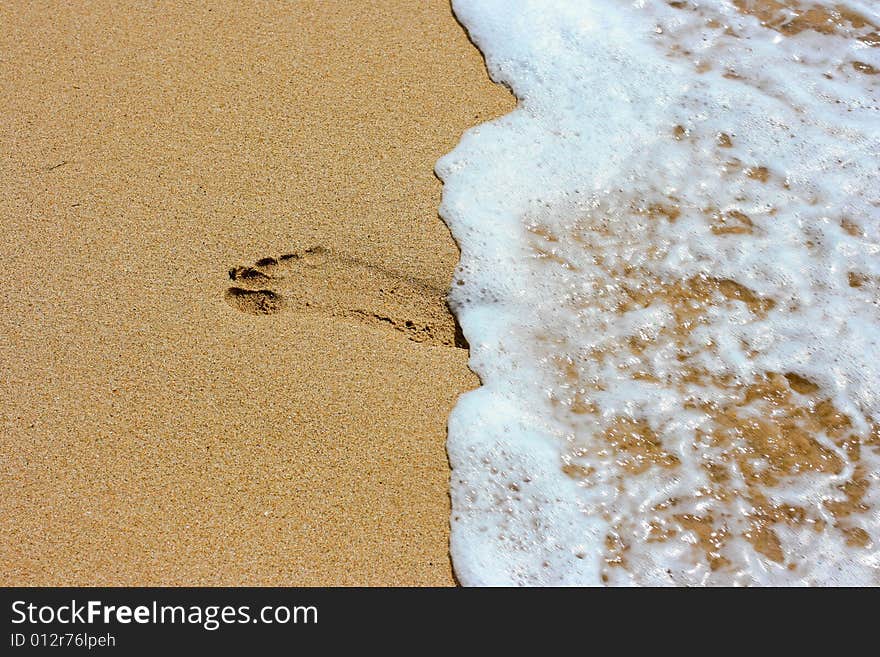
pixel 158 427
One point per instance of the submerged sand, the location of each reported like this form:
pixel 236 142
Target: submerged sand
pixel 157 427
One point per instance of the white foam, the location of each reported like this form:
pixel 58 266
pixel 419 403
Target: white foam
pixel 658 148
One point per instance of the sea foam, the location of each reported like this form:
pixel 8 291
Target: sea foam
pixel 670 282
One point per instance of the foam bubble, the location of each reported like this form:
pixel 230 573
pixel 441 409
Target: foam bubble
pixel 670 282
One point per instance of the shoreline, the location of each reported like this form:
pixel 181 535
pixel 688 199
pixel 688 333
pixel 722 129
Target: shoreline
pixel 158 431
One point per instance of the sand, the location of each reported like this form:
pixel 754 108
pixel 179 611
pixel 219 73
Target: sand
pixel 160 429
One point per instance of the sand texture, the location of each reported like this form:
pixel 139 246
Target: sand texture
pixel 225 355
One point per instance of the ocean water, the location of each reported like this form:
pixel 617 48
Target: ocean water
pixel 670 282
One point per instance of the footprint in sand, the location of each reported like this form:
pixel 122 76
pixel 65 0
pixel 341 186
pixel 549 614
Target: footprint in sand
pixel 319 281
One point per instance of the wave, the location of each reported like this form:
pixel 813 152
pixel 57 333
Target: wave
pixel 670 283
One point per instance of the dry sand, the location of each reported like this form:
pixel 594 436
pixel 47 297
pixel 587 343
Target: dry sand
pixel 154 430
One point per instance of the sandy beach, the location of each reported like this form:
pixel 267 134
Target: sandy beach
pixel 226 356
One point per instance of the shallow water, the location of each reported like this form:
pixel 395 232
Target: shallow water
pixel 670 282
